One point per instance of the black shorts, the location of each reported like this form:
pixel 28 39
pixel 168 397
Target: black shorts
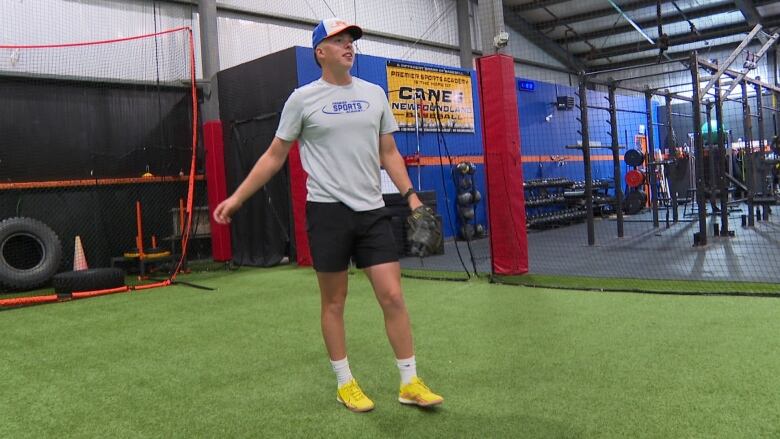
pixel 338 233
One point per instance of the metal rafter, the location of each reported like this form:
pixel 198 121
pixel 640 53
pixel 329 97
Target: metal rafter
pixel 513 20
pixel 600 13
pixel 749 11
pixel 536 4
pixel 671 17
pixel 674 40
pixel 607 12
pixel 645 61
pixel 632 22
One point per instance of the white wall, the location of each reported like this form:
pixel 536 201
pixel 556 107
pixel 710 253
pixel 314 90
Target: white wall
pixel 65 21
pixel 267 26
pixel 46 22
pixel 411 18
pixel 243 38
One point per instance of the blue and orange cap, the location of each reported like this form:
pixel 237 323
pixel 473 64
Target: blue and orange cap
pixel 332 26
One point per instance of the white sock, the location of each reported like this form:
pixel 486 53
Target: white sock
pixel 341 368
pixel 408 369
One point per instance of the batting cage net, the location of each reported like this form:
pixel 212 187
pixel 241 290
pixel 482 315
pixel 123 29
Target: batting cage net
pixel 99 159
pixel 572 168
pixel 436 104
pixel 434 99
pixel 612 190
pixel 662 188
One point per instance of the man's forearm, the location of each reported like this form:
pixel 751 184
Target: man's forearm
pixel 265 168
pixel 396 169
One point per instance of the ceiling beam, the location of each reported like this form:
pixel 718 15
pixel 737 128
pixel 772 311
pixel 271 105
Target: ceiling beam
pixel 749 11
pixel 671 17
pixel 536 4
pixel 599 13
pixel 516 22
pixel 607 12
pixel 678 56
pixel 675 40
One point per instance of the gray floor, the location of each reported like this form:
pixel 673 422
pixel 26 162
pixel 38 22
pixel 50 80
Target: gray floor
pixel 475 253
pixel 644 252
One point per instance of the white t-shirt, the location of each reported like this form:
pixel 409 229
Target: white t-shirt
pixel 338 129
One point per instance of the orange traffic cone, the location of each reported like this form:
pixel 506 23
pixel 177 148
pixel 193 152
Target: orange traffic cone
pixel 79 260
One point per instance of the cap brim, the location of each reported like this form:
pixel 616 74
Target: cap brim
pixel 353 30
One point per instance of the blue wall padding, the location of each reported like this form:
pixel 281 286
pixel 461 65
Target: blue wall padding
pixel 542 137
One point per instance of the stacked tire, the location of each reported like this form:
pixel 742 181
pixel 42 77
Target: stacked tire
pixel 30 257
pixel 30 253
pixel 93 279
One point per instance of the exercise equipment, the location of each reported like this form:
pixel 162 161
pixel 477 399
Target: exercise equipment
pixel 709 131
pixel 635 202
pixel 465 198
pixel 555 218
pixel 634 157
pixel 466 212
pixel 154 254
pixel 463 168
pixel 634 178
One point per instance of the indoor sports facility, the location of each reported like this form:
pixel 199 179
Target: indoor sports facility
pixel 604 174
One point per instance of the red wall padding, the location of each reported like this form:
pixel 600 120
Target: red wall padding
pixel 298 194
pixel 503 166
pixel 221 248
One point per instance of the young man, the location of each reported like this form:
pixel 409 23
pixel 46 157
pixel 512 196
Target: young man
pixel 344 126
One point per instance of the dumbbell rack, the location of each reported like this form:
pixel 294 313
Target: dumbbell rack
pixel 555 202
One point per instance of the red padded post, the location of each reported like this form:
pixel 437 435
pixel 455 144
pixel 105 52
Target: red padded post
pixel 298 193
pixel 221 247
pixel 503 166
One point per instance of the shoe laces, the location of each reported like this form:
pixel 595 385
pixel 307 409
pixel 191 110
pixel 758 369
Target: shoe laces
pixel 423 386
pixel 355 392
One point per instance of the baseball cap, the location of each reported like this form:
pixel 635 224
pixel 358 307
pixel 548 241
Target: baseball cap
pixel 332 26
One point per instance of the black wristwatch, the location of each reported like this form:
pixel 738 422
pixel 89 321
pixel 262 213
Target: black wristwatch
pixel 409 193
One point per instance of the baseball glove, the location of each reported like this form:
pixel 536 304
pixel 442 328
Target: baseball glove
pixel 424 232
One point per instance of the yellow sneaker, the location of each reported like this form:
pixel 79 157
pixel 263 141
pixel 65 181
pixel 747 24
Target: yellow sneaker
pixel 353 398
pixel 417 393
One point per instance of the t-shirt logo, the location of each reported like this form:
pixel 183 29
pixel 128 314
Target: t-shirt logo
pixel 343 107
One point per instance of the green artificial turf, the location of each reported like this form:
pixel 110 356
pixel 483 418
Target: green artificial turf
pixel 247 360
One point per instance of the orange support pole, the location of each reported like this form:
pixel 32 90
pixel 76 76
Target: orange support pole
pixel 164 283
pixel 85 294
pixel 139 239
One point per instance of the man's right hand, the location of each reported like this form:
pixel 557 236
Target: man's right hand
pixel 225 210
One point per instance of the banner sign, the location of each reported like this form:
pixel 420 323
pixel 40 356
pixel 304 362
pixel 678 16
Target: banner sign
pixel 429 98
